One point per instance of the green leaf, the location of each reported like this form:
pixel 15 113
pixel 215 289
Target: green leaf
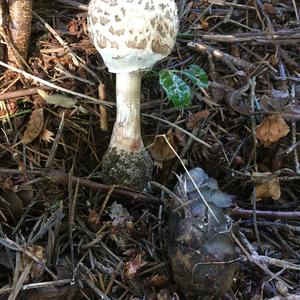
pixel 197 75
pixel 176 89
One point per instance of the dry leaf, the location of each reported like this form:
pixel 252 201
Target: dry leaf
pixel 158 280
pixel 204 25
pixel 37 269
pixel 46 135
pixel 94 220
pixel 271 130
pixel 160 150
pixel 132 266
pixel 34 126
pixel 61 100
pixel 267 186
pixel 194 119
pixel 269 9
pixel 57 99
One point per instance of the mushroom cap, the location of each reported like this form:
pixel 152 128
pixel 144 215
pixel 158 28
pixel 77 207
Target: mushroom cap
pixel 132 35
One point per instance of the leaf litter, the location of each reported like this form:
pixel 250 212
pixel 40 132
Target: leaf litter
pixel 237 74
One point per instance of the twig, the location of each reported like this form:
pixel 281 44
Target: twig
pixel 39 285
pixel 294 134
pixel 296 9
pixel 262 261
pixel 62 178
pixel 219 55
pixel 245 213
pixel 103 111
pixel 21 93
pixel 291 36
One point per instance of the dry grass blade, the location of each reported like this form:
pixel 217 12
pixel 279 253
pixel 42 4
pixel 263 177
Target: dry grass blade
pixel 13 295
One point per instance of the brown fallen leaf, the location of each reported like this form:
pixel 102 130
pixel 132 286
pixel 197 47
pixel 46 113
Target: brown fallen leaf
pixel 270 9
pixel 160 149
pixel 204 25
pixel 94 220
pixel 37 270
pixel 34 126
pixel 158 280
pixel 267 186
pixel 271 130
pixel 194 119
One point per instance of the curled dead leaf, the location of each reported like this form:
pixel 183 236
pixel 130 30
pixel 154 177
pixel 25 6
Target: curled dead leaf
pixel 267 186
pixel 271 130
pixel 160 149
pixel 34 126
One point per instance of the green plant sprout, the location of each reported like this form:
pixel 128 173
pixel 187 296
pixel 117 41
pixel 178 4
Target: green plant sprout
pixel 179 91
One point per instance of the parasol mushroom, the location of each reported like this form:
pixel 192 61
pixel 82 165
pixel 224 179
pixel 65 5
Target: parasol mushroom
pixel 131 36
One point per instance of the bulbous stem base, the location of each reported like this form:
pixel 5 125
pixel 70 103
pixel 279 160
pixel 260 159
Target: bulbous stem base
pixel 131 169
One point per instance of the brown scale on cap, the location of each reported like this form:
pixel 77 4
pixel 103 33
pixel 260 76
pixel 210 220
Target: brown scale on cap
pixel 138 33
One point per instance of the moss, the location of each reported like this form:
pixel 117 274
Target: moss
pixel 127 169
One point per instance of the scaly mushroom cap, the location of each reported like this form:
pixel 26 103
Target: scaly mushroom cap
pixel 132 35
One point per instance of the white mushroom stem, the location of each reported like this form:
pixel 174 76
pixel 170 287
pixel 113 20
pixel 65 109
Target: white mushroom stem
pixel 127 129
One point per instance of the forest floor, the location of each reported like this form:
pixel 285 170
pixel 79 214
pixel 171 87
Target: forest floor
pixel 66 235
